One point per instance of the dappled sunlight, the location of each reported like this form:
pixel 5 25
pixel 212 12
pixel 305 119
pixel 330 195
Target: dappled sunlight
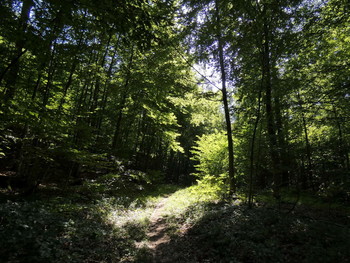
pixel 94 222
pixel 165 225
pixel 68 233
pixel 181 200
pixel 121 218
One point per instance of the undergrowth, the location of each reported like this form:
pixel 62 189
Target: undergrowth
pixel 237 234
pixel 186 206
pixel 99 221
pixel 206 229
pixel 104 219
pixel 306 199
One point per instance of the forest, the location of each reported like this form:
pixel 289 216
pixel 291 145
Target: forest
pixel 174 131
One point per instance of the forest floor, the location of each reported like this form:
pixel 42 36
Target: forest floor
pixel 157 234
pixel 113 219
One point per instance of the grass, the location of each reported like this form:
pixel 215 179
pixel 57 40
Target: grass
pixel 205 229
pixel 102 220
pixel 306 199
pixel 99 221
pixel 236 234
pixel 186 206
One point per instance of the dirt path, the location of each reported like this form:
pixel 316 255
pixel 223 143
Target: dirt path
pixel 157 234
pixel 160 247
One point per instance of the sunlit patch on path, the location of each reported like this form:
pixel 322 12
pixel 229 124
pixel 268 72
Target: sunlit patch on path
pixel 157 234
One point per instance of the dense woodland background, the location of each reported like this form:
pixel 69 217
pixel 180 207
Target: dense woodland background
pixel 94 88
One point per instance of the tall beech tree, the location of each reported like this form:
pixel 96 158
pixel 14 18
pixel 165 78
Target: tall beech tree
pixel 225 99
pixel 208 21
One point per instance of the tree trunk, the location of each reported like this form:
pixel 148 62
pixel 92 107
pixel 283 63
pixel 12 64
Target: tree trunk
pixel 105 90
pixel 14 66
pixel 252 147
pixel 343 149
pixel 123 102
pixel 71 73
pixel 95 116
pixel 281 144
pixel 308 180
pixel 13 62
pixel 266 74
pixel 51 72
pixel 232 183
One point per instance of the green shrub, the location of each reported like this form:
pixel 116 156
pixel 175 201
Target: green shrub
pixel 211 154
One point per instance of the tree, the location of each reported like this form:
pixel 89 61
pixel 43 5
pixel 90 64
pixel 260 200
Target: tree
pixel 88 76
pixel 211 41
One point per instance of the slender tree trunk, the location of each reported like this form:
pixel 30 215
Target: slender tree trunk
pixel 118 122
pixel 281 144
pixel 343 150
pixel 252 147
pixel 308 154
pixel 13 62
pixel 106 89
pixel 232 182
pixel 123 102
pixel 68 84
pixel 71 73
pixel 93 85
pixel 97 91
pixel 308 146
pixel 139 129
pixel 51 73
pixel 37 84
pixel 13 69
pixel 266 73
pixel 260 176
pixel 80 105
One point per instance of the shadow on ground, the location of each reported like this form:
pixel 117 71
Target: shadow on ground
pixel 72 224
pixel 237 234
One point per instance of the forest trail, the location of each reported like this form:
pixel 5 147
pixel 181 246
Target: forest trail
pixel 157 234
